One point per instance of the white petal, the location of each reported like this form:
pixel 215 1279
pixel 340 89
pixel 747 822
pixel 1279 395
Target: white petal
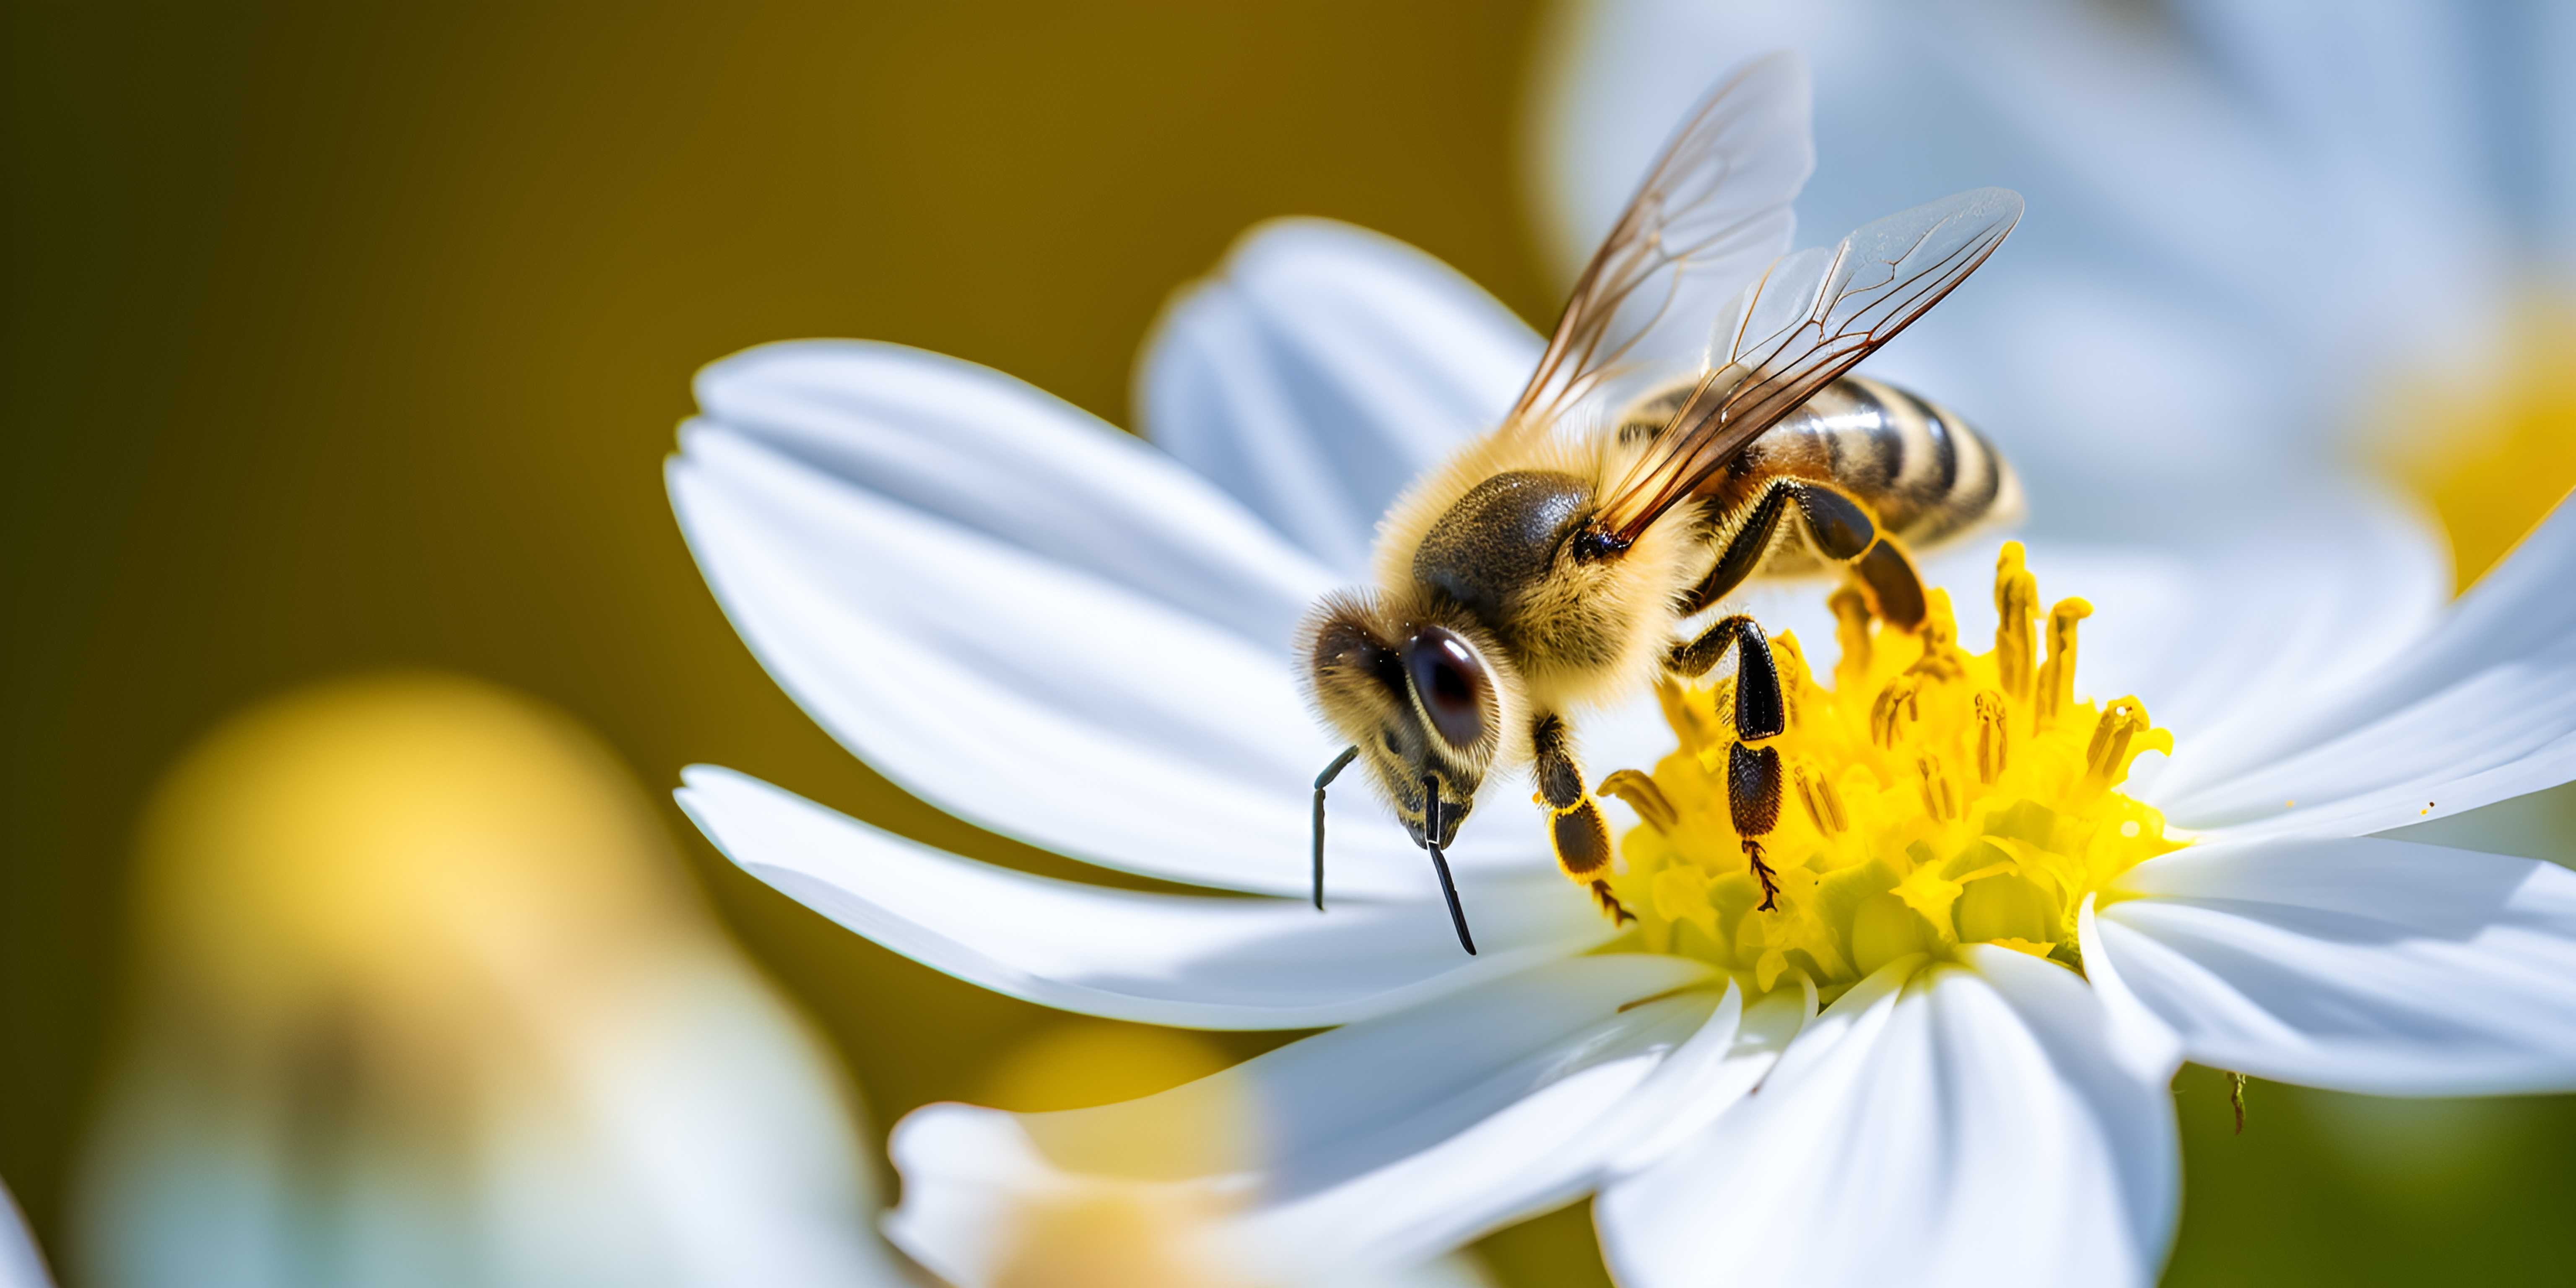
pixel 21 1265
pixel 1323 368
pixel 1380 1143
pixel 2132 1030
pixel 2357 964
pixel 1067 704
pixel 1200 962
pixel 1720 1065
pixel 2336 578
pixel 992 455
pixel 2480 709
pixel 1966 1126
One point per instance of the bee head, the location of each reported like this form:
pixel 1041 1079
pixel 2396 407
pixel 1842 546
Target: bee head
pixel 1425 703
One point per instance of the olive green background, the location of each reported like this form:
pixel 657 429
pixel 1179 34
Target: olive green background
pixel 347 337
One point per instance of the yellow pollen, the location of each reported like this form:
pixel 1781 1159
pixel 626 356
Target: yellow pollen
pixel 1944 798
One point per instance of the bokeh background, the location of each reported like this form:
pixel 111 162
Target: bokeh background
pixel 342 338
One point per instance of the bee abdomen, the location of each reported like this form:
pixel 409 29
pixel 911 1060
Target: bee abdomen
pixel 1927 474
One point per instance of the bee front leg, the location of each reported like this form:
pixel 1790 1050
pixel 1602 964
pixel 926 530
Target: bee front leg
pixel 1754 782
pixel 1575 827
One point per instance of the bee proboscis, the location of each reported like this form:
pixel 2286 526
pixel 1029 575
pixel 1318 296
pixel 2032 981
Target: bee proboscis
pixel 1666 451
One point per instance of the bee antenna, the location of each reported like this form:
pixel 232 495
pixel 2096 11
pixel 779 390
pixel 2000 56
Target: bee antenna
pixel 1322 781
pixel 1440 862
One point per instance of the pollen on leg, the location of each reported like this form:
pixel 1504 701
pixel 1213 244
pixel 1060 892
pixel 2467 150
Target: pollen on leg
pixel 1943 798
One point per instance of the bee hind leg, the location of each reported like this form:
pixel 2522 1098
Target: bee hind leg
pixel 1895 591
pixel 1753 775
pixel 1576 830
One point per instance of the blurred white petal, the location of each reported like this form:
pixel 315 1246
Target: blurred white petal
pixel 2264 215
pixel 22 1265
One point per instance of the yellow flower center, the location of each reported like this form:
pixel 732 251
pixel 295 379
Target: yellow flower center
pixel 1937 798
pixel 2492 449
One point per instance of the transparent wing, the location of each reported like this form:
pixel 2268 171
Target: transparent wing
pixel 1712 211
pixel 1797 327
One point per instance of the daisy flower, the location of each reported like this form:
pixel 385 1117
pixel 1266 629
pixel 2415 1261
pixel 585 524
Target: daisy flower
pixel 2267 238
pixel 425 1000
pixel 2002 925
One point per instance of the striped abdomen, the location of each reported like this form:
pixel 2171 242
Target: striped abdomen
pixel 1924 473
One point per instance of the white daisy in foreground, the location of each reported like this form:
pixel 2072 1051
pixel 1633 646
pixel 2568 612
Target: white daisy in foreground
pixel 426 1000
pixel 1990 955
pixel 2264 235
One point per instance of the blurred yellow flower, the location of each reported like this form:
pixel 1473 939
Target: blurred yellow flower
pixel 423 998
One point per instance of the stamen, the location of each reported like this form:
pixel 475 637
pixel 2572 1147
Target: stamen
pixel 1954 798
pixel 1789 657
pixel 1642 796
pixel 2056 681
pixel 2107 757
pixel 1686 723
pixel 2016 603
pixel 1895 713
pixel 1939 799
pixel 1992 741
pixel 1851 635
pixel 1816 792
pixel 1940 633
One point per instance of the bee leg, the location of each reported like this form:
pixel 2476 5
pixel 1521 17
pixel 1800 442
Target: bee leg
pixel 1753 797
pixel 1743 554
pixel 1576 829
pixel 1753 777
pixel 1886 574
pixel 1841 528
pixel 1759 710
pixel 1838 525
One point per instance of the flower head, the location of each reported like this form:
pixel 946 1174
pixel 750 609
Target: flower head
pixel 424 997
pixel 1081 640
pixel 1943 798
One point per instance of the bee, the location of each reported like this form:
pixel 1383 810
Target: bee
pixel 1668 449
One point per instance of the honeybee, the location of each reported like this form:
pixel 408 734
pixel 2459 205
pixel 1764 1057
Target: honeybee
pixel 1667 450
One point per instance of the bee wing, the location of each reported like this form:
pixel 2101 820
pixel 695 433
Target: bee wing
pixel 1799 325
pixel 1711 212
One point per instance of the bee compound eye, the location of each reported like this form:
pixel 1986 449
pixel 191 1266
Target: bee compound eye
pixel 1451 681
